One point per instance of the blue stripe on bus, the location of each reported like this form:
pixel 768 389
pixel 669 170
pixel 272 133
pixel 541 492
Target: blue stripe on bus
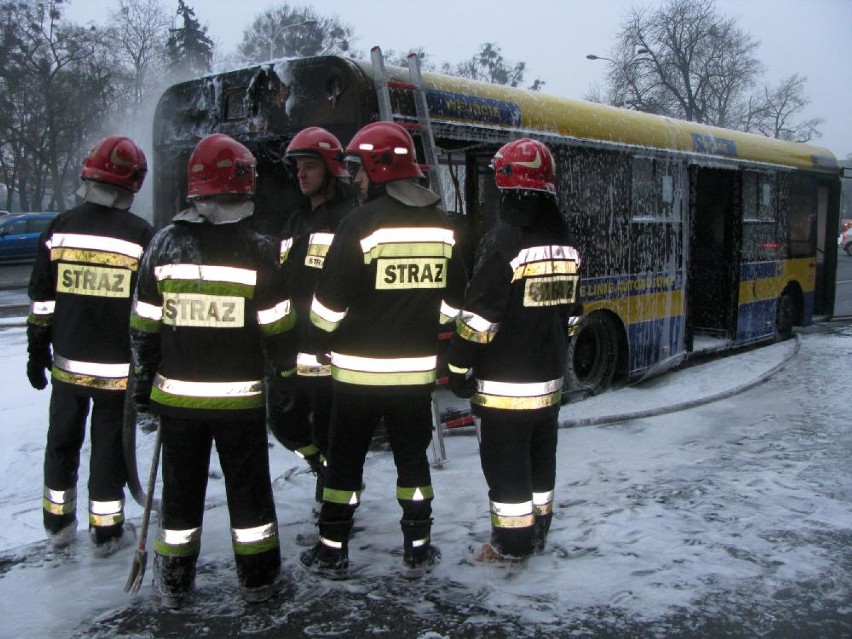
pixel 759 270
pixel 653 341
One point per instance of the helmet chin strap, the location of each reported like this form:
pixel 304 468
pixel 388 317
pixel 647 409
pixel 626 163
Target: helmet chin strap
pixel 105 194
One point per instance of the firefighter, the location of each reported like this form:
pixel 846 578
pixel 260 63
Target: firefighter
pixel 211 305
pixel 301 422
pixel 508 351
pixel 80 291
pixel 391 276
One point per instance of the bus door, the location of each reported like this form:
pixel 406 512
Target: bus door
pixel 713 271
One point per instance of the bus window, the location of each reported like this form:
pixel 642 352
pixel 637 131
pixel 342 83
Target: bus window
pixel 656 228
pixel 801 216
pixel 761 240
pixel 594 193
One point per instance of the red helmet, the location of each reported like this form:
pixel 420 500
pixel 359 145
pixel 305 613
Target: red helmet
pixel 318 143
pixel 219 165
pixel 525 164
pixel 387 152
pixel 116 160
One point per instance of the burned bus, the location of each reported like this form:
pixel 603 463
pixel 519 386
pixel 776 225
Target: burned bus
pixel 694 238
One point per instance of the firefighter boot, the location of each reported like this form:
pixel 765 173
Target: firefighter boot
pixel 108 540
pixel 260 574
pixel 540 530
pixel 330 555
pixel 419 555
pixel 62 536
pixel 174 579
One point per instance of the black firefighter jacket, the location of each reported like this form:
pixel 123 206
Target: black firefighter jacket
pixel 211 304
pixel 392 276
pixel 517 311
pixel 303 258
pixel 81 290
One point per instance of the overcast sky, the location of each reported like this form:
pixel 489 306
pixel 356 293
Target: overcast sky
pixel 553 37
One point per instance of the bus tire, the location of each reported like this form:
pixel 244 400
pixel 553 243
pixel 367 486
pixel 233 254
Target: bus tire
pixel 592 355
pixel 785 315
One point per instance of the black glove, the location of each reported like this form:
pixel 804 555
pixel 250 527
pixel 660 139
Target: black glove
pixel 463 384
pixel 323 358
pixel 37 365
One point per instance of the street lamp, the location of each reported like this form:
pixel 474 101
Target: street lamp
pixel 277 34
pixel 638 52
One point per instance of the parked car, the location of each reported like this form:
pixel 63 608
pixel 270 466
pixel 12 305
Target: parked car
pixel 845 241
pixel 19 235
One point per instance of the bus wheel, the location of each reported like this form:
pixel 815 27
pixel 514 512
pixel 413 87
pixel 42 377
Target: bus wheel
pixel 592 355
pixel 784 315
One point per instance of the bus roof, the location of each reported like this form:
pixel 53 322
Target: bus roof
pixel 468 101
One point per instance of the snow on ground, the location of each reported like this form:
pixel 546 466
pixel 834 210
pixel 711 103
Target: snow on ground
pixel 721 512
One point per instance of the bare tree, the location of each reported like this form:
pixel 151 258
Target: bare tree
pixel 683 60
pixel 489 65
pixel 55 90
pixel 772 112
pixel 294 31
pixel 139 36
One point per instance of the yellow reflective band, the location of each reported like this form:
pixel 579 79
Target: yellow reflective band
pixel 306 451
pixel 284 249
pixel 199 309
pixel 504 515
pixel 509 396
pixel 93 369
pixel 308 366
pixel 416 493
pixel 318 246
pixel 59 502
pixel 545 253
pixel 99 281
pixel 42 308
pixel 324 317
pixel 411 273
pixel 499 521
pixel 206 272
pixel 148 311
pixel 537 269
pixel 90 381
pixel 550 291
pixel 274 314
pixel 424 241
pixel 208 389
pixel 95 243
pixel 457 369
pixel 94 257
pixel 476 329
pixel 346 497
pixel 106 513
pixel 253 535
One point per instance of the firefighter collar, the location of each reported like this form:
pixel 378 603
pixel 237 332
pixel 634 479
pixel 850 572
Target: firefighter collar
pixel 216 212
pixel 105 194
pixel 410 193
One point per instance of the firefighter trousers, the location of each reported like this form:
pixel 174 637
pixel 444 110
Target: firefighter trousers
pixel 66 433
pixel 519 463
pixel 354 419
pixel 301 422
pixel 243 456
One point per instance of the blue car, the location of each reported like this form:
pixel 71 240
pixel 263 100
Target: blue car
pixel 19 235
